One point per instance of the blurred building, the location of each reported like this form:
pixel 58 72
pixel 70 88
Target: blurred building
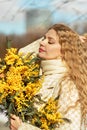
pixel 38 20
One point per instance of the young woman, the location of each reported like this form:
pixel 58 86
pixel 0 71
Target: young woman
pixel 63 63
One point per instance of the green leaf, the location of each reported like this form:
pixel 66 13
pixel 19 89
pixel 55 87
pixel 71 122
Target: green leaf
pixel 57 98
pixel 67 120
pixel 10 108
pixel 38 123
pixel 34 60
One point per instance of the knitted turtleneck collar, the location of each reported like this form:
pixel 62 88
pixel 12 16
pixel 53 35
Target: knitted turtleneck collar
pixel 53 67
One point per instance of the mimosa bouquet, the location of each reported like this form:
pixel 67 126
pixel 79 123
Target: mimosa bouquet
pixel 48 117
pixel 20 83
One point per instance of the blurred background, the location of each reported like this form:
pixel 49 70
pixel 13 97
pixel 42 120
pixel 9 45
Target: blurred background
pixel 24 21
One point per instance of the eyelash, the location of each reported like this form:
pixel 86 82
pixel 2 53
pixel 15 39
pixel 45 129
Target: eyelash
pixel 48 42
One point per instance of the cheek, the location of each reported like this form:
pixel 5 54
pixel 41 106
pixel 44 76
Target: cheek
pixel 53 54
pixel 56 51
pixel 59 49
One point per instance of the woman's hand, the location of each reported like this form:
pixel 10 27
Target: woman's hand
pixel 15 122
pixel 82 38
pixel 1 75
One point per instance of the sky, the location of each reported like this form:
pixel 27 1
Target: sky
pixel 11 20
pixel 12 12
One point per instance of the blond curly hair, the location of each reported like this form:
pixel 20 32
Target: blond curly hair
pixel 74 52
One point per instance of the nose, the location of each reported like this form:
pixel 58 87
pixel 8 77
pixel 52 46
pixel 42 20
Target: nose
pixel 43 42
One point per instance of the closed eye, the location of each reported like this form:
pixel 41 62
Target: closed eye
pixel 51 42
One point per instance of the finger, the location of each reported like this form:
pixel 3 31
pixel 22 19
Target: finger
pixel 15 122
pixel 14 117
pixel 12 125
pixel 12 128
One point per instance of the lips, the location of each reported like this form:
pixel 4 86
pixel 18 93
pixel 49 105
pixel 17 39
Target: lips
pixel 41 50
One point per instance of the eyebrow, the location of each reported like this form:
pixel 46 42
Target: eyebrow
pixel 50 38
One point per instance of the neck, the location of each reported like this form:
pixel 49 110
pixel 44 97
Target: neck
pixel 53 67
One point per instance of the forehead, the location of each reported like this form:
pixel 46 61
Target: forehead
pixel 52 34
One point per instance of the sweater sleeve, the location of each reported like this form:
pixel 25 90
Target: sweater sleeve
pixel 26 126
pixel 70 106
pixel 32 47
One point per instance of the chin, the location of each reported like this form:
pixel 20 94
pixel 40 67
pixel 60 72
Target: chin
pixel 41 56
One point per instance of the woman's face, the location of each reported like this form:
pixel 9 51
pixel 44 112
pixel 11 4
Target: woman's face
pixel 49 46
